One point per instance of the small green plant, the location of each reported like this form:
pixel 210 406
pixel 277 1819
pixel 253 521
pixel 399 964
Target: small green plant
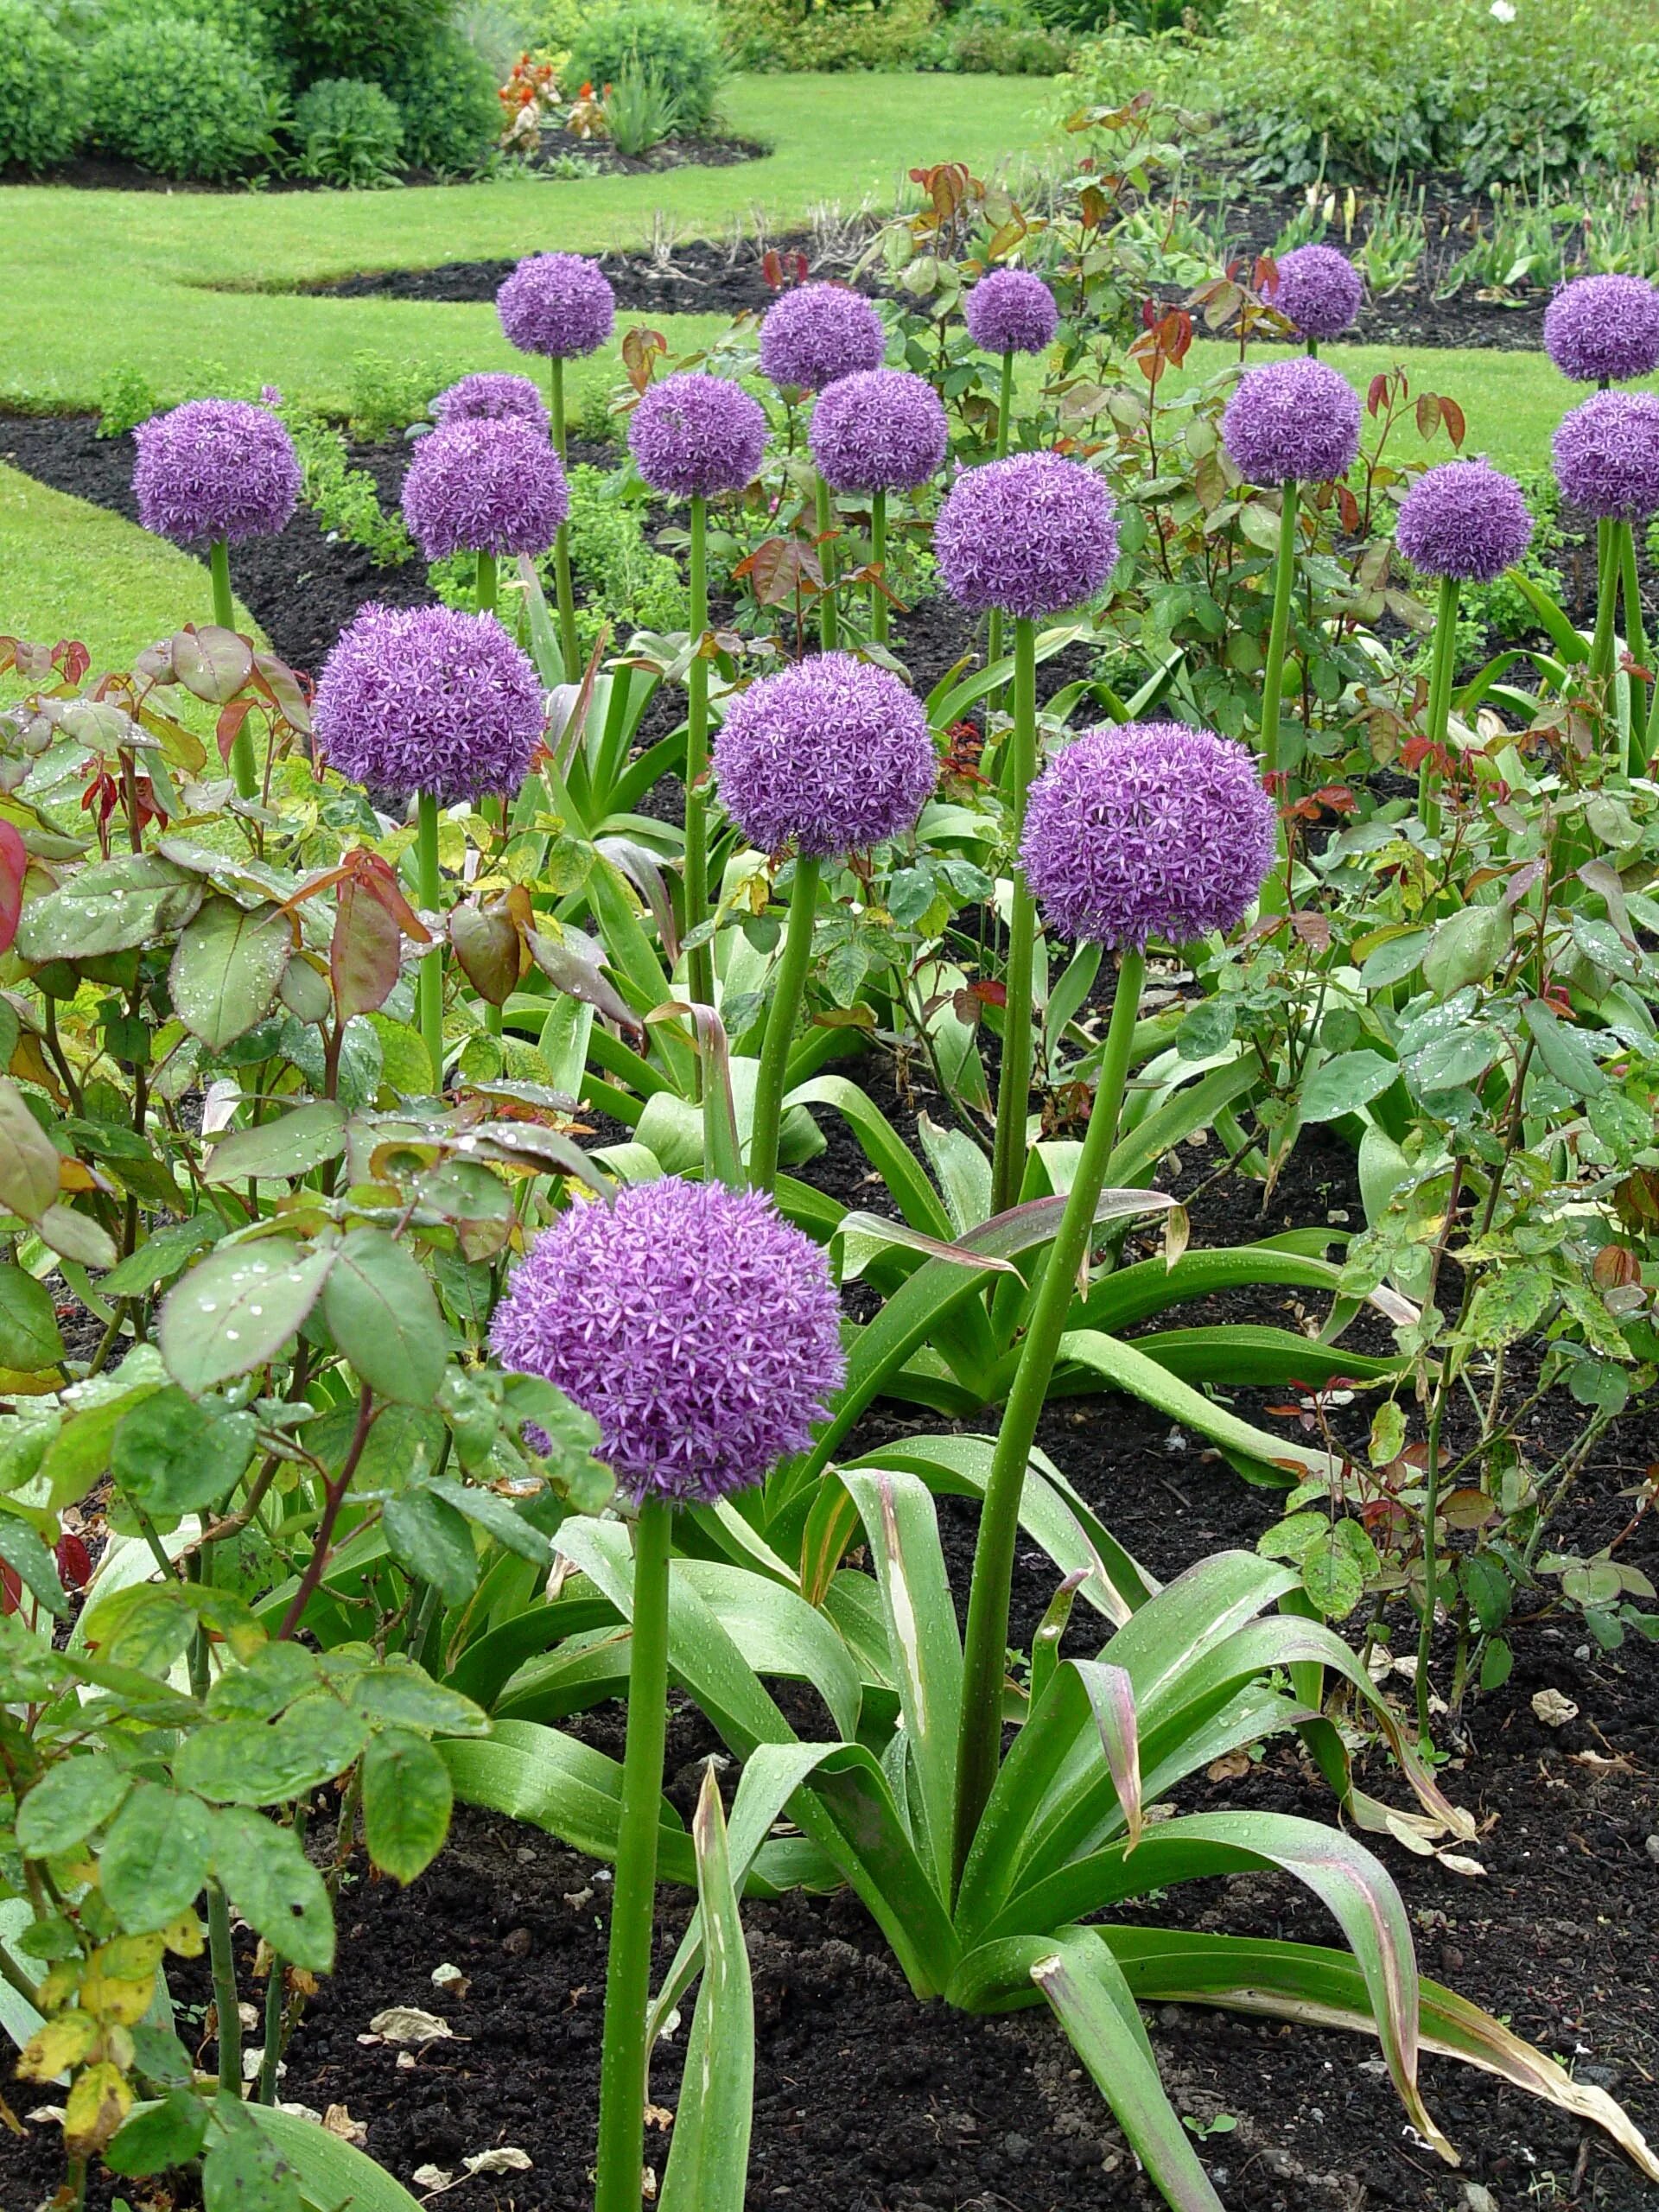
pixel 178 99
pixel 1393 251
pixel 42 98
pixel 126 398
pixel 349 133
pixel 387 396
pixel 681 46
pixel 640 109
pixel 344 499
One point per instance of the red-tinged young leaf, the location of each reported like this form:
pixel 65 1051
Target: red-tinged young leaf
pixel 14 866
pixel 641 350
pixel 228 727
pixel 1451 416
pixel 288 693
pixel 1376 397
pixel 363 950
pixel 212 664
pixel 1428 415
pixel 487 945
pixel 780 568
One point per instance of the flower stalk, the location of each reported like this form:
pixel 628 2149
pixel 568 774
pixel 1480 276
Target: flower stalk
pixel 780 1024
pixel 1014 1083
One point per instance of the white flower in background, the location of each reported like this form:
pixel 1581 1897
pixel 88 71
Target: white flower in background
pixel 1502 12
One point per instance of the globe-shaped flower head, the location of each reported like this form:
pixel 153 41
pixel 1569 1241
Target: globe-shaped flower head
pixel 1142 830
pixel 1466 521
pixel 811 336
pixel 1607 456
pixel 1011 311
pixel 216 468
pixel 694 435
pixel 491 396
pixel 426 699
pixel 1604 329
pixel 1033 535
pixel 878 430
pixel 484 486
pixel 557 304
pixel 700 1331
pixel 1295 418
pixel 832 756
pixel 1318 290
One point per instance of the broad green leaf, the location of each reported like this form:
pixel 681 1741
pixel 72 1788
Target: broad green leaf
pixel 496 1517
pixel 400 1695
pixel 29 1163
pixel 406 1795
pixel 1563 1051
pixel 708 2156
pixel 74 1236
pixel 226 970
pixel 165 1252
pixel 1345 1083
pixel 430 1538
pixel 380 1309
pixel 33 1565
pixel 1466 948
pixel 109 907
pixel 260 1762
pixel 331 2174
pixel 73 1797
pixel 238 1309
pixel 540 1775
pixel 157 2136
pixel 245 2171
pixel 174 1456
pixel 155 1858
pixel 288 1145
pixel 275 1887
pixel 30 1337
pixel 1332 1577
pixel 1458 1057
pixel 1511 1302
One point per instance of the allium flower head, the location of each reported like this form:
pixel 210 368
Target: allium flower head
pixel 1033 535
pixel 1607 456
pixel 1319 291
pixel 697 434
pixel 427 699
pixel 485 485
pixel 878 430
pixel 215 468
pixel 1294 418
pixel 1602 328
pixel 491 396
pixel 1141 829
pixel 700 1331
pixel 557 304
pixel 1011 311
pixel 811 336
pixel 831 755
pixel 1465 520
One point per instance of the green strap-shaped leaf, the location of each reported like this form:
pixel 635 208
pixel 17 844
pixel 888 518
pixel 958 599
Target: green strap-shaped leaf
pixel 1126 1367
pixel 884 1148
pixel 1243 1356
pixel 708 2159
pixel 331 2173
pixel 538 1775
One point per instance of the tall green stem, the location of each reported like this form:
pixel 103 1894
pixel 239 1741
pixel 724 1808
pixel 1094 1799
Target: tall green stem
pixel 1635 640
pixel 223 1959
pixel 1014 1084
pixel 780 1026
pixel 1601 644
pixel 985 1653
pixel 569 652
pixel 430 989
pixel 829 628
pixel 1441 671
pixel 627 1979
pixel 700 968
pixel 1004 406
pixel 878 563
pixel 488 585
pixel 1431 1560
pixel 1272 676
pixel 242 767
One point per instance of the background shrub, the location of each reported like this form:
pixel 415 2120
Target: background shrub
pixel 446 92
pixel 827 34
pixel 352 38
pixel 681 46
pixel 998 38
pixel 43 101
pixel 348 132
pixel 178 97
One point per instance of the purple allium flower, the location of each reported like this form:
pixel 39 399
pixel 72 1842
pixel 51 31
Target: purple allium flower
pixel 1604 327
pixel 832 755
pixel 1011 311
pixel 1607 456
pixel 1142 830
pixel 811 336
pixel 1033 535
pixel 482 485
pixel 491 396
pixel 697 435
pixel 423 698
pixel 1465 520
pixel 1318 290
pixel 1295 418
pixel 878 430
pixel 557 304
pixel 215 468
pixel 700 1331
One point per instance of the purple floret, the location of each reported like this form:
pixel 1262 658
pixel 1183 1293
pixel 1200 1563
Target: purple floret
pixel 1607 456
pixel 698 1329
pixel 1318 290
pixel 557 304
pixel 1295 419
pixel 878 430
pixel 215 468
pixel 485 487
pixel 1144 830
pixel 694 435
pixel 427 699
pixel 832 756
pixel 1011 311
pixel 1035 534
pixel 810 337
pixel 492 396
pixel 1604 329
pixel 1465 520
